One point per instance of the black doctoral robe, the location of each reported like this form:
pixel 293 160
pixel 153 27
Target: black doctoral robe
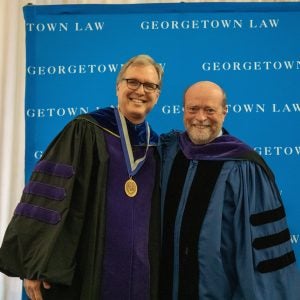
pixel 63 241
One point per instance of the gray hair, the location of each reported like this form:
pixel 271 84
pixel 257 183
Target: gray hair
pixel 141 60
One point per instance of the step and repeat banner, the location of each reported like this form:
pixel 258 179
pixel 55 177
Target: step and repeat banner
pixel 74 53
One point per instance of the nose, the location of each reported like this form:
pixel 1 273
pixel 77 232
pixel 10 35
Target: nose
pixel 140 89
pixel 201 115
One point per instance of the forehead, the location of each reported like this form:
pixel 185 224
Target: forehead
pixel 142 72
pixel 196 97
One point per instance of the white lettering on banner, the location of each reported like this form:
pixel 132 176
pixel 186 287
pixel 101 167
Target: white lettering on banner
pixel 49 27
pixel 208 24
pixel 253 107
pixel 264 23
pixel 175 109
pixel 63 27
pixel 55 112
pixel 37 154
pixel 217 66
pixel 96 26
pixel 72 69
pixel 190 24
pixel 75 69
pixel 172 109
pixel 295 238
pixel 293 107
pixel 278 150
pixel 59 112
pixel 242 108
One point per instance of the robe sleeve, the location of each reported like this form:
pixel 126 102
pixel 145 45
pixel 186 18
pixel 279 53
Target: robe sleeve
pixel 42 238
pixel 265 260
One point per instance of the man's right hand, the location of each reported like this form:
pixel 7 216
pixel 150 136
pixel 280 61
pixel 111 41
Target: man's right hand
pixel 33 288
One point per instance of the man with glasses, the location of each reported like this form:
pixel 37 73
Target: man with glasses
pixel 225 235
pixel 87 226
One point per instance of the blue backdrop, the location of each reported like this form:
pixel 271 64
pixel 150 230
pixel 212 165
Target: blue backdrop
pixel 74 52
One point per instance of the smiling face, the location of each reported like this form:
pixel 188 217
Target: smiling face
pixel 136 104
pixel 204 111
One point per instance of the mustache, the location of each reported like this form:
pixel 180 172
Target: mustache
pixel 199 123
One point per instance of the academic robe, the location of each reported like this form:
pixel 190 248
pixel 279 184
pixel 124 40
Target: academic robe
pixel 60 231
pixel 225 235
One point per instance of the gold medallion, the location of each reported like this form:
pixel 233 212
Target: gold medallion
pixel 130 187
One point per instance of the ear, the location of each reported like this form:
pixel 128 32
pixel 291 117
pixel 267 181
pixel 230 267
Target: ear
pixel 157 95
pixel 225 111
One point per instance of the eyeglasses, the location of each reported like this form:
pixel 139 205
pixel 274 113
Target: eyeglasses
pixel 134 84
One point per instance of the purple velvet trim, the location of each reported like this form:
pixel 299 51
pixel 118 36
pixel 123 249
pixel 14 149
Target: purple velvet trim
pixel 126 269
pixel 56 169
pixel 38 213
pixel 223 147
pixel 45 190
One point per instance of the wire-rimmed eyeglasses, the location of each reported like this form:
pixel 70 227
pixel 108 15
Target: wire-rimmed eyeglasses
pixel 134 84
